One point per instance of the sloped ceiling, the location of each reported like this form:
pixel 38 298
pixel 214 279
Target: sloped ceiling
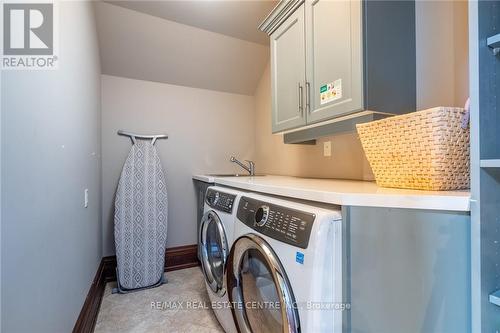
pixel 235 18
pixel 146 47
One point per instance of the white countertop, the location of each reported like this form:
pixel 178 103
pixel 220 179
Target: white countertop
pixel 346 192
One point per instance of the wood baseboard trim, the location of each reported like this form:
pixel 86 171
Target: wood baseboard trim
pixel 181 257
pixel 176 258
pixel 90 309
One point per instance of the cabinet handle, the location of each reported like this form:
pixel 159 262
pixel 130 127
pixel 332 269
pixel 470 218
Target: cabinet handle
pixel 301 105
pixel 308 97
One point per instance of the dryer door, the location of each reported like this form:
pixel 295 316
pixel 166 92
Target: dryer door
pixel 259 289
pixel 214 251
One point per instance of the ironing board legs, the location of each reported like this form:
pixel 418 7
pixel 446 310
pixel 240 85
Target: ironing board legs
pixel 120 290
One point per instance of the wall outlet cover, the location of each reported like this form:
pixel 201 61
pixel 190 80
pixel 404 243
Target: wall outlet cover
pixel 86 198
pixel 327 148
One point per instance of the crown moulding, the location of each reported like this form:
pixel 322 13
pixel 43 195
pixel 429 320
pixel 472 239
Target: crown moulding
pixel 279 14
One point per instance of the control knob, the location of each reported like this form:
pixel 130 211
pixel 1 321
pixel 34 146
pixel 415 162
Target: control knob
pixel 261 215
pixel 216 198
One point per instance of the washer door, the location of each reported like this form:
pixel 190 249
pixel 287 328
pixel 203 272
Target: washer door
pixel 214 251
pixel 259 289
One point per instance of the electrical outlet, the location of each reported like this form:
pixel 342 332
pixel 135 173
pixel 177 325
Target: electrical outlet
pixel 327 148
pixel 86 198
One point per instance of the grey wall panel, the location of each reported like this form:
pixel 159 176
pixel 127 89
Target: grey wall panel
pixel 489 81
pixel 389 56
pixel 485 182
pixel 490 247
pixel 409 271
pixel 51 244
pixel 474 168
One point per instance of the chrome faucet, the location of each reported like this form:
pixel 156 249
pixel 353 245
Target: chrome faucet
pixel 250 168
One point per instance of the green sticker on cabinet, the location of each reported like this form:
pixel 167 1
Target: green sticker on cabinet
pixel 330 92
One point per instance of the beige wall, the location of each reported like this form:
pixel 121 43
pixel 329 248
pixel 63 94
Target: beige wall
pixel 442 53
pixel 461 54
pixel 442 80
pixel 205 127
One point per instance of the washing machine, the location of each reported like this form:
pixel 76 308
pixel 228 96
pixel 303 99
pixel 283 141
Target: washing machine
pixel 215 241
pixel 284 271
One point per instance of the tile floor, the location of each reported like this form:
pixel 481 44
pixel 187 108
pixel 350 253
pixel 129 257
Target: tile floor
pixel 134 312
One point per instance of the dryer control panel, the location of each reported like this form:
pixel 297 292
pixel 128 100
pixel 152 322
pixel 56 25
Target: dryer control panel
pixel 282 223
pixel 220 201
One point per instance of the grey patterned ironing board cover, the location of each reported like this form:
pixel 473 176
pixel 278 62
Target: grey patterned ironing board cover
pixel 141 219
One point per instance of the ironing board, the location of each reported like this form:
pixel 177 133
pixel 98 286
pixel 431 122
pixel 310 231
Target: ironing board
pixel 140 226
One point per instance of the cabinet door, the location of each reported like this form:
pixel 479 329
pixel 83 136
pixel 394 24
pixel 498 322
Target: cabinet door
pixel 288 73
pixel 334 58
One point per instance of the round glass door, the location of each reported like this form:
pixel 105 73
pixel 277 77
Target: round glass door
pixel 213 251
pixel 259 290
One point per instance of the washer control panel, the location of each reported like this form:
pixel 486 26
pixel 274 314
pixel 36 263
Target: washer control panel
pixel 282 223
pixel 220 201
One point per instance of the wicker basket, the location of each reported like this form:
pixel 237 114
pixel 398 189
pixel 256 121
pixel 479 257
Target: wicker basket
pixel 425 150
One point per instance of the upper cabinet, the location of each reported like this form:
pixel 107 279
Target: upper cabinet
pixel 334 69
pixel 288 72
pixel 337 60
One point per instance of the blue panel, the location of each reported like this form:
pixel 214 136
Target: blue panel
pixel 495 298
pixel 490 246
pixel 299 257
pixel 409 270
pixel 489 126
pixel 489 81
pixel 389 56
